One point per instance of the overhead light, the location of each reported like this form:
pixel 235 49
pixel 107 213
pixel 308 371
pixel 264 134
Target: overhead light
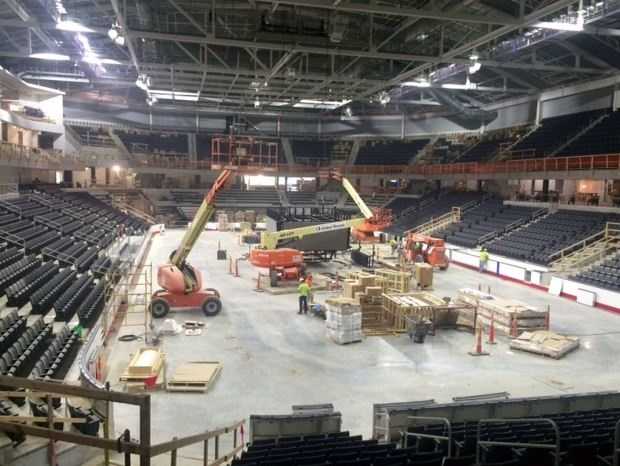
pixel 72 26
pixel 348 112
pixel 561 26
pixel 110 61
pixel 463 87
pixel 474 68
pixel 278 104
pixel 143 82
pixel 474 56
pixel 422 36
pixel 116 169
pixel 174 95
pixel 256 102
pixel 151 100
pixel 384 98
pixel 321 104
pixel 50 56
pixel 113 33
pixel 120 40
pixel 418 83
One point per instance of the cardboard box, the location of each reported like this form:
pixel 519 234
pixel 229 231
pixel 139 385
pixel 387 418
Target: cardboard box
pixel 424 275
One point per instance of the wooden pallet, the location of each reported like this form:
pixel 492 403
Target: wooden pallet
pixel 196 376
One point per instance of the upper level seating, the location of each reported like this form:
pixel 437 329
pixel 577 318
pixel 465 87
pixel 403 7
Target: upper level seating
pixel 236 196
pixel 436 207
pixel 537 241
pixel 156 143
pixel 485 221
pixel 602 138
pixel 97 137
pixel 389 152
pixel 203 146
pixel 553 132
pixel 604 275
pixel 484 150
pixel 311 151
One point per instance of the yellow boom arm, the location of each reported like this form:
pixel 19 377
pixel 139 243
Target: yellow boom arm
pixel 269 240
pixel 204 213
pixel 359 202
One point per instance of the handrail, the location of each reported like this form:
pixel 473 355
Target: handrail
pixel 447 438
pixel 605 234
pixel 556 447
pixel 616 457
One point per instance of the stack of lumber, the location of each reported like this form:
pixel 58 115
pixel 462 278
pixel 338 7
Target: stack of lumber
pixel 145 370
pixel 343 321
pixel 545 343
pixel 511 317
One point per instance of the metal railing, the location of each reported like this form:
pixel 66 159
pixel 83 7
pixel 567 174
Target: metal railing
pixel 483 443
pixel 443 438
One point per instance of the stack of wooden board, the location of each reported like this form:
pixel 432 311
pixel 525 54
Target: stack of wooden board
pixel 546 343
pixel 195 376
pixel 510 317
pixel 145 370
pixel 222 222
pixel 365 291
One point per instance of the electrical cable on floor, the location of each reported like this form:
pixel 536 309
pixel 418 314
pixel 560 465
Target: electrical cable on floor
pixel 129 337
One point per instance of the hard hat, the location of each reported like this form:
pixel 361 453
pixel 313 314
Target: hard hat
pixel 302 280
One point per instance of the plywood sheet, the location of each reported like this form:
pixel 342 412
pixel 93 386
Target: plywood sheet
pixel 194 376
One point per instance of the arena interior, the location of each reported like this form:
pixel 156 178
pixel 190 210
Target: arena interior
pixel 310 232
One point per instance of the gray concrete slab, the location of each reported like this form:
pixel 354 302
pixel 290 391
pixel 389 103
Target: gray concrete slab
pixel 274 358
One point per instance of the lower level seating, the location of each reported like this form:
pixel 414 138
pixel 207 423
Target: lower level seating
pixel 603 275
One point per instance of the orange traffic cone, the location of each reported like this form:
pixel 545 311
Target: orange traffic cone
pixel 477 349
pixel 491 340
pixel 514 332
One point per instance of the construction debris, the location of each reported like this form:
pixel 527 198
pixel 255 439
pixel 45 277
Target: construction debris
pixel 197 376
pixel 511 317
pixel 545 343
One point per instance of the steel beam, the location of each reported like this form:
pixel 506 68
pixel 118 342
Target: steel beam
pixel 385 10
pixel 21 12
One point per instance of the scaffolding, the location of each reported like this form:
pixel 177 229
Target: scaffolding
pixel 128 292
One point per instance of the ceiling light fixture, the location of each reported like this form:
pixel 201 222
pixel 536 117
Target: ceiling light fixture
pixel 71 26
pixel 384 98
pixel 474 64
pixel 50 56
pixel 348 112
pixel 143 82
pixel 418 83
pixel 256 102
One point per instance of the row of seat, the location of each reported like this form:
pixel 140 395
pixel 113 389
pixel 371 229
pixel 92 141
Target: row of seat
pixel 17 270
pixel 25 351
pixel 42 300
pixel 67 304
pixel 19 292
pixel 12 333
pixel 58 357
pixel 92 306
pixel 604 275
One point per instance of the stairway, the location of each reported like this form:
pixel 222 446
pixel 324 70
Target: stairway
pixel 587 251
pixel 283 198
pixel 576 136
pixel 438 223
pixel 505 152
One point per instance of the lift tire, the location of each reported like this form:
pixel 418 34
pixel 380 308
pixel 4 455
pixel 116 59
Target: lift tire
pixel 159 308
pixel 212 306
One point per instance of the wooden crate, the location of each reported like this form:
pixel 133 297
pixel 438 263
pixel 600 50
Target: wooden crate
pixel 197 376
pixel 394 281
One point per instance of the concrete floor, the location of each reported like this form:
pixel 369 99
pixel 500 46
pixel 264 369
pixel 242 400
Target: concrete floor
pixel 274 358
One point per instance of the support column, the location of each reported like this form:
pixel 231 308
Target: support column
pixel 192 147
pixel 538 111
pixel 616 100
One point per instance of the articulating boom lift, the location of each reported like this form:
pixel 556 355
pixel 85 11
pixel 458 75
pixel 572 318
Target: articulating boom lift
pixel 181 282
pixel 289 262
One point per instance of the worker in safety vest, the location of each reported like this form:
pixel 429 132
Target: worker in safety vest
pixel 393 245
pixel 484 258
pixel 304 293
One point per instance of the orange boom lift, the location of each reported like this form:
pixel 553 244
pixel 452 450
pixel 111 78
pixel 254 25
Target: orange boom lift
pixel 181 283
pixel 432 250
